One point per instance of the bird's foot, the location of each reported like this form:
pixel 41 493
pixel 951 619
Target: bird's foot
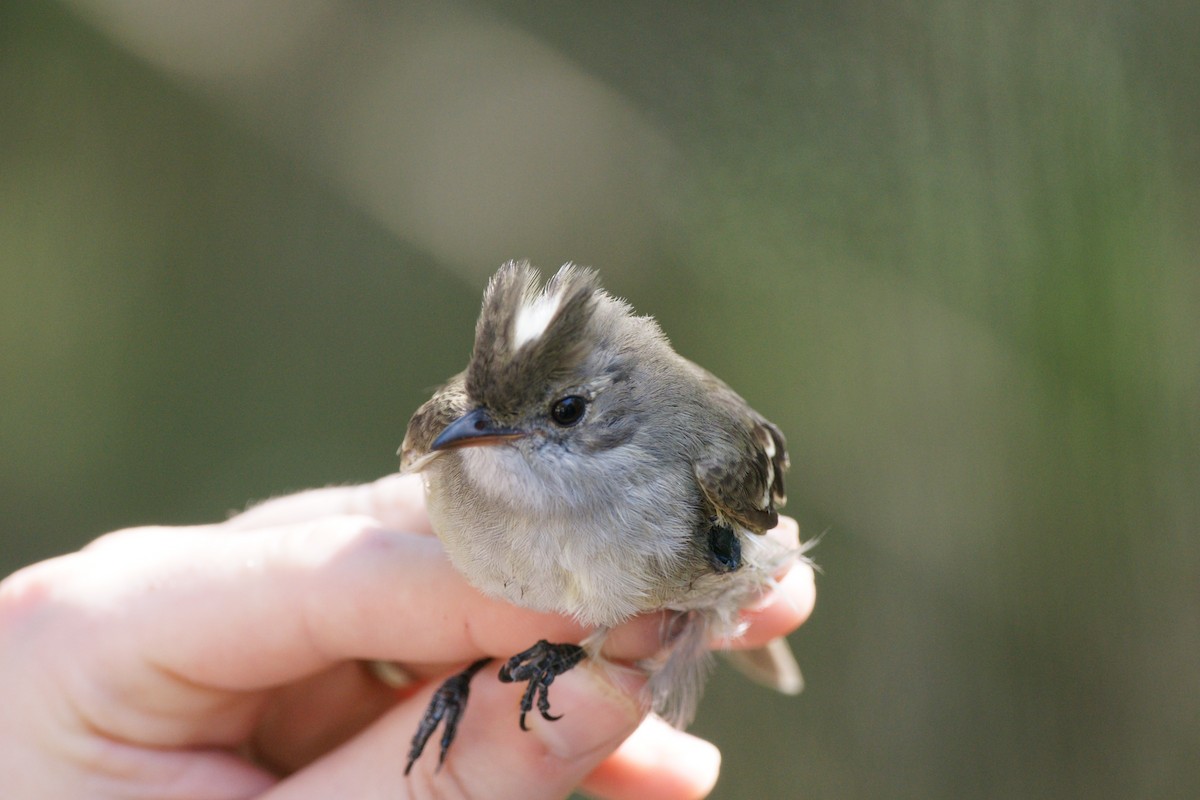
pixel 539 666
pixel 449 702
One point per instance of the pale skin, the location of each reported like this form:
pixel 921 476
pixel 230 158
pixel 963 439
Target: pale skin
pixel 226 661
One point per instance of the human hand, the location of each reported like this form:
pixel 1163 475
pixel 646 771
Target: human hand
pixel 225 661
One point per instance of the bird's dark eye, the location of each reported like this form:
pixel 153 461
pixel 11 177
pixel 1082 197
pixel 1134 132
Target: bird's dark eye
pixel 568 410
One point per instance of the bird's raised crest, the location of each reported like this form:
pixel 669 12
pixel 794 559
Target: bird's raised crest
pixel 532 318
pixel 526 334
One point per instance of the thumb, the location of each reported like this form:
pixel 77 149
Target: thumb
pixel 491 756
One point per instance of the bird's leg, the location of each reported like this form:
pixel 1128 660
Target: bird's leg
pixel 449 702
pixel 540 665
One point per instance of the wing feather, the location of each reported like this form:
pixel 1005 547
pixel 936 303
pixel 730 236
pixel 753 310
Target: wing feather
pixel 743 478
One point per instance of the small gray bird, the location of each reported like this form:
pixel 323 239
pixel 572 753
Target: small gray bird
pixel 581 466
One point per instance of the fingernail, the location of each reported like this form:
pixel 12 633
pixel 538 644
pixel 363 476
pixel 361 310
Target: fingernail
pixel 600 708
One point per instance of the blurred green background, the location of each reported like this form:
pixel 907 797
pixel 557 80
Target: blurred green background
pixel 950 247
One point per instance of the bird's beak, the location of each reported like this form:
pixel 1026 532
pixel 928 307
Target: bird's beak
pixel 473 429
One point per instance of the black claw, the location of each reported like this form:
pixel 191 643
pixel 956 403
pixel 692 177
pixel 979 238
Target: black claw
pixel 449 702
pixel 540 665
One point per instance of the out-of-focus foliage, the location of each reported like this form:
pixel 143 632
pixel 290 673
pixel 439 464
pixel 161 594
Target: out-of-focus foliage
pixel 949 247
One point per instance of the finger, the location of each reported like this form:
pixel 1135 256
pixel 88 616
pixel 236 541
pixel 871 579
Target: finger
pixel 657 761
pixel 256 608
pixel 784 608
pixel 170 774
pixel 485 761
pixel 313 716
pixel 787 533
pixel 396 501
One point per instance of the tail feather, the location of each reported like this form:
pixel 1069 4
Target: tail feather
pixel 772 665
pixel 679 671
